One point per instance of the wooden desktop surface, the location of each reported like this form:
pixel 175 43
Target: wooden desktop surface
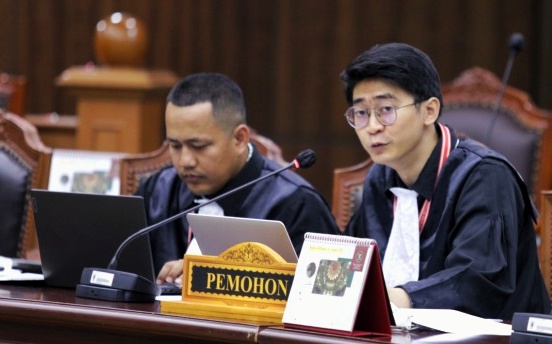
pixel 35 314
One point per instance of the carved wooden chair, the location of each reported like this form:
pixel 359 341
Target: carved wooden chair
pixel 546 239
pixel 347 191
pixel 135 167
pixel 25 164
pixel 519 129
pixel 12 93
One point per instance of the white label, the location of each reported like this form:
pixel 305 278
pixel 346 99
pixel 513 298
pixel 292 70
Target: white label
pixel 102 278
pixel 539 325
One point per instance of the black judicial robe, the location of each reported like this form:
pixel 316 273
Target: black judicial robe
pixel 286 197
pixel 478 247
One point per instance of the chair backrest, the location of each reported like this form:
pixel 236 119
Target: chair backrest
pixel 25 164
pixel 136 167
pixel 518 129
pixel 347 191
pixel 12 93
pixel 545 253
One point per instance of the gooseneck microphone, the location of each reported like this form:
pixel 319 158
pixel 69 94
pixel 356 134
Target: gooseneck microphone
pixel 515 45
pixel 113 285
pixel 304 159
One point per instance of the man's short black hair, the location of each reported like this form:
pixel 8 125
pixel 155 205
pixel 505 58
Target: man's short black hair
pixel 223 93
pixel 399 64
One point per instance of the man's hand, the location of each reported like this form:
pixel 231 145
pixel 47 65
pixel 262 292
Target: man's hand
pixel 399 297
pixel 171 272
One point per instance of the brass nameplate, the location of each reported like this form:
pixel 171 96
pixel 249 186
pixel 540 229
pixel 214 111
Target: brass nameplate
pixel 249 281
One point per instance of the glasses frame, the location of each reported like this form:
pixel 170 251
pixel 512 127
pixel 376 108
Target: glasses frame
pixel 372 110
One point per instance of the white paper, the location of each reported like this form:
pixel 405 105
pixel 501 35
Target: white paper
pixel 17 275
pixel 9 274
pixel 169 298
pixel 454 322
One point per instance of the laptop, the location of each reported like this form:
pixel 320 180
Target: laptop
pixel 78 230
pixel 215 234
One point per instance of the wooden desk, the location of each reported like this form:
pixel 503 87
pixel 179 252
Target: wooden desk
pixel 55 315
pixel 30 314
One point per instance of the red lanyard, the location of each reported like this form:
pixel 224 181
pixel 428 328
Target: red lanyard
pixel 445 151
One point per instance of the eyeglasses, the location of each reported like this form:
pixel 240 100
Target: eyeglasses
pixel 386 114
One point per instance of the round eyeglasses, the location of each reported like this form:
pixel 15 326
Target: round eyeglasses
pixel 386 114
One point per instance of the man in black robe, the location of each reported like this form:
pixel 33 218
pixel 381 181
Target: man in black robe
pixel 475 221
pixel 211 154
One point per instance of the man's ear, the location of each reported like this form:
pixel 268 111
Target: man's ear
pixel 242 133
pixel 431 109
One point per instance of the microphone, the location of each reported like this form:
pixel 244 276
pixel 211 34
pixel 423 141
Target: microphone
pixel 114 285
pixel 515 45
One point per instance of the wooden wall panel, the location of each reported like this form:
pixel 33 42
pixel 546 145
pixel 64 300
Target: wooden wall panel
pixel 286 54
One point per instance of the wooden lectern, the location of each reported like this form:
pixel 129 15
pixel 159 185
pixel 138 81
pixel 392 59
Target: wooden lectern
pixel 118 108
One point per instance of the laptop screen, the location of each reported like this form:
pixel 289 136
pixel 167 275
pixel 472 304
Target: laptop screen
pixel 78 230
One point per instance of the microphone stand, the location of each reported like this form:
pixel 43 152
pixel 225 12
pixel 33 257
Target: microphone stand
pixel 114 261
pixel 516 44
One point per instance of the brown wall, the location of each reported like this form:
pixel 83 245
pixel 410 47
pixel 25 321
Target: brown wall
pixel 286 54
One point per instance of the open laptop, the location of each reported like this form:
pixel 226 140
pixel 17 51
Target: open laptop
pixel 78 230
pixel 215 234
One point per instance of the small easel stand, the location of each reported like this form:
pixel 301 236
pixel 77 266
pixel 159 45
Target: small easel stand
pixel 339 288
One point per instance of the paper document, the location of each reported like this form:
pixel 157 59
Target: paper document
pixel 451 321
pixel 7 273
pixel 85 171
pixel 168 297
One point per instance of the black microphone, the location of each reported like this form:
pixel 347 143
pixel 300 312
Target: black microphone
pixel 113 285
pixel 515 45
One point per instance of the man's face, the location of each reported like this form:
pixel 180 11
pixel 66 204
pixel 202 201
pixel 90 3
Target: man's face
pixel 204 154
pixel 399 145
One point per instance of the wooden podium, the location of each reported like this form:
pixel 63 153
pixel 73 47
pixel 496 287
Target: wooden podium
pixel 118 108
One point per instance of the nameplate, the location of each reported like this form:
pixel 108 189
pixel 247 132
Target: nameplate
pixel 222 280
pixel 249 281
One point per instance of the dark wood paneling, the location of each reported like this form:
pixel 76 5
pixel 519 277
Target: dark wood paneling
pixel 286 54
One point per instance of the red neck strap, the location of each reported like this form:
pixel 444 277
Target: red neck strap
pixel 445 151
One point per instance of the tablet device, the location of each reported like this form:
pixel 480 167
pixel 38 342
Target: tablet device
pixel 215 234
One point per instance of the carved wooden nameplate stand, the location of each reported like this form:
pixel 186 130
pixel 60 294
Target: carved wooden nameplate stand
pixel 249 281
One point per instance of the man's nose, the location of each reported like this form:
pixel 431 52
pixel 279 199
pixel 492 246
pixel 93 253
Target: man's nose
pixel 373 125
pixel 186 159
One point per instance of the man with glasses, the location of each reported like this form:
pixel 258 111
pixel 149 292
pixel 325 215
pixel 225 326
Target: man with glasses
pixel 453 220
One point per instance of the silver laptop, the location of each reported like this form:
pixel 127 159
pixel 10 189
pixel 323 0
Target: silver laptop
pixel 215 234
pixel 78 230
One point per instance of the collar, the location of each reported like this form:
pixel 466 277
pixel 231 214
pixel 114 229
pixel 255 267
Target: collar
pixel 251 170
pixel 425 184
pixel 445 144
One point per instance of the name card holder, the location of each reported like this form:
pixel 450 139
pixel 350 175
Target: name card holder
pixel 248 281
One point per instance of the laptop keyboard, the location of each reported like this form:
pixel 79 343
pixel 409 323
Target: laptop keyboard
pixel 171 289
